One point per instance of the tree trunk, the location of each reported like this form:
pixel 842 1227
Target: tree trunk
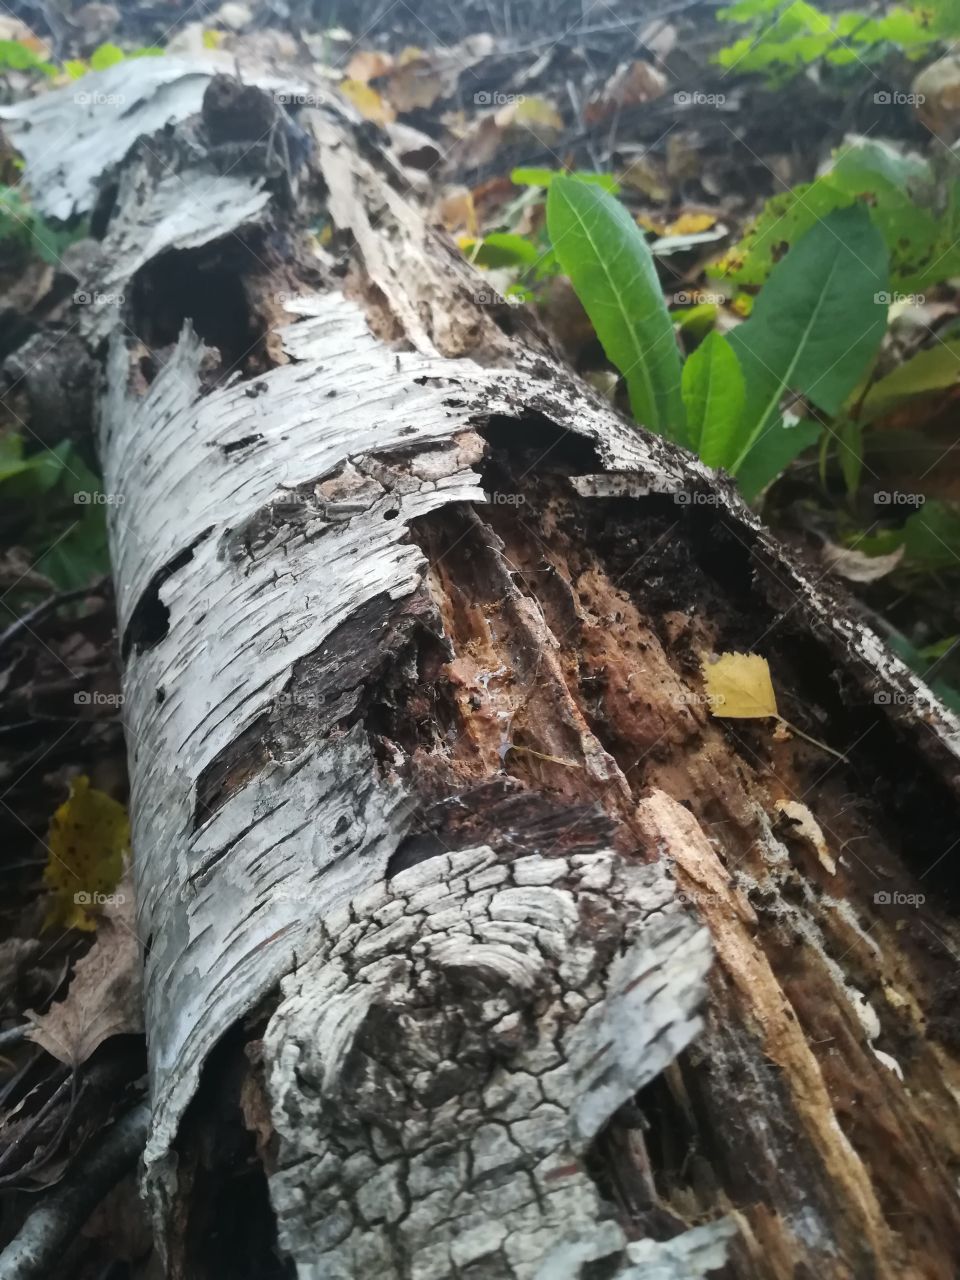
pixel 474 944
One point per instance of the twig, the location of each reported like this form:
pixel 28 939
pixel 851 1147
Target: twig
pixel 45 606
pixel 35 1250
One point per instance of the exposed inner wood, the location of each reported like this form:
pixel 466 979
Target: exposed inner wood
pixel 820 1102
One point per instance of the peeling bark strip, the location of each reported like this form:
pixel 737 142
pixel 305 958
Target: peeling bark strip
pixel 430 768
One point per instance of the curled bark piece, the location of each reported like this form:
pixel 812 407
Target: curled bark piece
pixel 443 1061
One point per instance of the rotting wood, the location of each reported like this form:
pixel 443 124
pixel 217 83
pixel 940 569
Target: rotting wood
pixel 408 611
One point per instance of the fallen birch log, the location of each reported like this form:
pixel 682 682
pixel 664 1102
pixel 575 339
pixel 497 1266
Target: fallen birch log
pixel 468 929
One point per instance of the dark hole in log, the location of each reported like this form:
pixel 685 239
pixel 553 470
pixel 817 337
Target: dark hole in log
pixel 150 619
pixel 203 288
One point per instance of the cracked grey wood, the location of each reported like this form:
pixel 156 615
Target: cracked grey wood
pixel 459 1036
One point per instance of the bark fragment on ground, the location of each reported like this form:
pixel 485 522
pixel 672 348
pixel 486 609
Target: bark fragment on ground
pixel 417 606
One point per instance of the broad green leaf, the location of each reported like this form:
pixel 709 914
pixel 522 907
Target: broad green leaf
pixel 772 452
pixel 544 178
pixel 714 394
pixel 923 245
pixel 816 323
pixel 603 251
pixel 931 370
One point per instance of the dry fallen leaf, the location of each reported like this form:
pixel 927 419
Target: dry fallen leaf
pixel 415 84
pixel 367 101
pixel 739 687
pixel 857 567
pixel 104 996
pixel 632 83
pixel 534 114
pixel 367 65
pixel 88 837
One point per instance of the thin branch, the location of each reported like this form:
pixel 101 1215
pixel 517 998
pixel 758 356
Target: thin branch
pixel 48 1231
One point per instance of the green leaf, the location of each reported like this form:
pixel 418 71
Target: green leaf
pixel 80 555
pixel 714 394
pixel 922 243
pixel 503 249
pixel 816 324
pixel 931 536
pixel 934 369
pixel 771 454
pixel 698 320
pixel 603 251
pixel 20 57
pixel 544 178
pixel 105 55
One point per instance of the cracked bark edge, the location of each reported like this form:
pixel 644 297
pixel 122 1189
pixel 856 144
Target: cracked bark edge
pixel 443 1061
pixel 71 136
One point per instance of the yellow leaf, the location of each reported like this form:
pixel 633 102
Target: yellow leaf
pixel 739 687
pixel 89 835
pixel 367 101
pixel 689 224
pixel 537 113
pixel 212 39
